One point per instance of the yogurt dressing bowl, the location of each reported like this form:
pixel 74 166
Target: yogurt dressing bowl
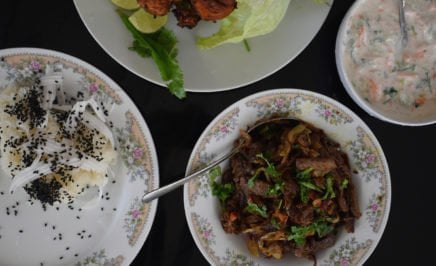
pixel 393 83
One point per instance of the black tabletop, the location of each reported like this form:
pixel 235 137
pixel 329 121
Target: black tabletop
pixel 176 125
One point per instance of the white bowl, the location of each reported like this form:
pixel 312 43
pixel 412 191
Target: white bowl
pixel 365 153
pixel 425 116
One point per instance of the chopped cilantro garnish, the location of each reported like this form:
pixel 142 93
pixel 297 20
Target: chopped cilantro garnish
pixel 299 233
pixel 270 170
pixel 254 209
pixel 252 179
pixel 222 191
pixel 305 174
pixel 304 194
pixel 330 192
pixel 309 185
pixel 276 189
pixel 274 223
pixel 344 184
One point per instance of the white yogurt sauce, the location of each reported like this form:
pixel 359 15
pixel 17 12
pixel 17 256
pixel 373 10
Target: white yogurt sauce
pixel 385 74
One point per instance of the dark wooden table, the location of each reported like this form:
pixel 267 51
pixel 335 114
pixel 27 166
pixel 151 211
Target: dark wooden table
pixel 176 125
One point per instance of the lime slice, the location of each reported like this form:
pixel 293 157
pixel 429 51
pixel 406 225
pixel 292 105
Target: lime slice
pixel 146 22
pixel 126 4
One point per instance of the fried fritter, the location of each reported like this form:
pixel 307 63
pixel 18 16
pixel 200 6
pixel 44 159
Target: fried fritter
pixel 214 9
pixel 156 7
pixel 186 15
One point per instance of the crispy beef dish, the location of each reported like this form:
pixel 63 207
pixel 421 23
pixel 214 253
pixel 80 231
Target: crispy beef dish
pixel 190 12
pixel 288 190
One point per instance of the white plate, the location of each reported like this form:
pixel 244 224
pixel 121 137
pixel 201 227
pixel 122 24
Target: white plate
pixel 113 232
pixel 338 122
pixel 222 68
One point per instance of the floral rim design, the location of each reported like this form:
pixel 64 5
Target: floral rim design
pixel 349 253
pixel 221 129
pixel 23 64
pixel 361 146
pixel 207 236
pixel 100 258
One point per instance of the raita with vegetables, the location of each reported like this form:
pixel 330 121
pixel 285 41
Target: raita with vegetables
pixel 384 73
pixel 289 189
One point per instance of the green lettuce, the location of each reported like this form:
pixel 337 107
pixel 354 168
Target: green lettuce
pixel 251 18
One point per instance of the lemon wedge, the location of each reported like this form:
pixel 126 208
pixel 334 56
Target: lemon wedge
pixel 146 22
pixel 126 4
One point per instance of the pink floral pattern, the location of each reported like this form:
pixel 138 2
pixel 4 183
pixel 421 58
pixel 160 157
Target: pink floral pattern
pixel 348 253
pixel 226 126
pixel 277 105
pixel 131 152
pixel 374 211
pixel 204 229
pixel 365 157
pixel 134 217
pixel 100 258
pixel 332 115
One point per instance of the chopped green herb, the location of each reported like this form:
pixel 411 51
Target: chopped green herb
pixel 253 178
pixel 323 229
pixel 309 185
pixel 330 192
pixel 344 184
pixel 276 189
pixel 299 233
pixel 254 209
pixel 270 170
pixel 305 174
pixel 275 224
pixel 161 46
pixel 304 194
pixel 222 191
pixel 214 173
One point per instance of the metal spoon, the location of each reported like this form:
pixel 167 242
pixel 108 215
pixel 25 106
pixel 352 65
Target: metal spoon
pixel 403 25
pixel 148 197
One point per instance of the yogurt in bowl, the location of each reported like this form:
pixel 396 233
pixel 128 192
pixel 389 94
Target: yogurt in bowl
pixel 394 83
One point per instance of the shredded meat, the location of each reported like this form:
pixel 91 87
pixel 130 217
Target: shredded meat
pixel 321 166
pixel 292 193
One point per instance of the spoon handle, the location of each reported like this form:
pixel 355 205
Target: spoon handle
pixel 403 26
pixel 170 187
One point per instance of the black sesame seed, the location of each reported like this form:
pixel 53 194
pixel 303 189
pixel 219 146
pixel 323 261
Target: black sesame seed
pixel 21 231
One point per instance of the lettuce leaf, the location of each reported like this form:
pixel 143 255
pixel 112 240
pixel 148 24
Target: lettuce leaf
pixel 251 18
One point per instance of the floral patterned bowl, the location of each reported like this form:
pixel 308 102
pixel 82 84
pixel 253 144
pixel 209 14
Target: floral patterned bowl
pixel 366 157
pixel 111 233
